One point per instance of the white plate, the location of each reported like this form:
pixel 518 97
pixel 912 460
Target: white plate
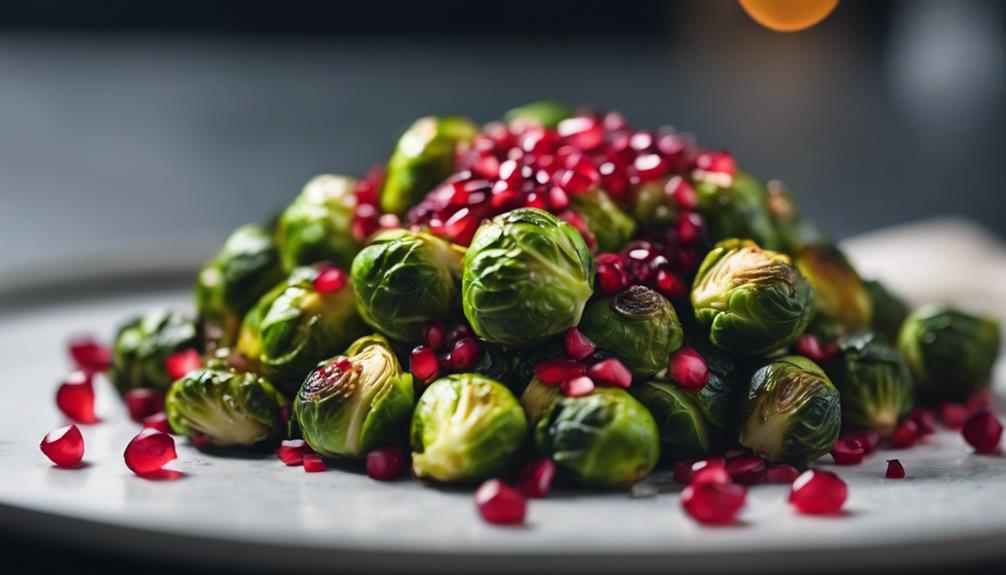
pixel 258 512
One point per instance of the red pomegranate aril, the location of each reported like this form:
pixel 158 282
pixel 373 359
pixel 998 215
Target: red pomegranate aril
pixel 670 285
pixel 434 334
pixel 64 446
pixel 611 274
pixel 201 441
pixel 143 402
pixel 500 504
pixel 558 370
pixel 688 228
pixel 818 492
pixel 149 451
pixel 181 363
pixel 89 355
pixel 781 473
pixel 578 346
pixel 75 398
pixel 464 354
pixel 423 363
pixel 746 469
pixel 814 349
pixel 709 471
pixel 716 162
pixel 848 452
pixel 895 470
pixel 682 193
pixel 389 221
pixel 953 415
pixel 684 470
pixel 688 369
pixel 330 280
pixel 366 221
pixel 905 435
pixel 291 451
pixel 313 463
pixel 650 167
pixel 983 431
pixel 158 421
pixel 925 420
pixel 980 400
pixel 713 503
pixel 584 132
pixel 557 199
pixel 577 386
pixel 536 478
pixel 610 372
pixel 386 463
pixel 868 439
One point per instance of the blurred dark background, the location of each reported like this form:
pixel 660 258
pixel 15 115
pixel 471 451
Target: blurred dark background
pixel 161 125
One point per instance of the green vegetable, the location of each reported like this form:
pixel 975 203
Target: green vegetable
pixel 547 113
pixel 684 431
pixel 719 399
pixel 611 227
pixel 783 213
pixel 143 344
pixel 527 277
pixel 356 402
pixel 889 310
pixel 537 398
pixel 739 210
pixel 317 225
pixel 652 207
pixel 752 301
pixel 466 428
pixel 792 411
pixel 841 295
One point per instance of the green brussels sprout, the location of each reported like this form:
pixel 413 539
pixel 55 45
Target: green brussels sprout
pixel 739 210
pixel 547 113
pixel 792 411
pixel 874 383
pixel 889 310
pixel 295 326
pixel 317 225
pixel 652 207
pixel 527 277
pixel 356 402
pixel 537 398
pixel 422 159
pixel 612 228
pixel 785 217
pixel 951 352
pixel 606 439
pixel 684 431
pixel 496 363
pixel 637 325
pixel 245 269
pixel 230 408
pixel 143 344
pixel 466 427
pixel 840 294
pixel 752 301
pixel 404 278
pixel 719 398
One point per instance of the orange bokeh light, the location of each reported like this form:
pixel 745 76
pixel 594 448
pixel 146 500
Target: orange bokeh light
pixel 788 15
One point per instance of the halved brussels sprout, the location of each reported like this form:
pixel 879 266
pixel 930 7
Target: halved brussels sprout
pixel 527 276
pixel 547 113
pixel 143 344
pixel 841 295
pixel 243 271
pixel 637 325
pixel 951 352
pixel 317 225
pixel 537 398
pixel 422 159
pixel 874 382
pixel 466 427
pixel 719 398
pixel 404 278
pixel 792 411
pixel 739 210
pixel 752 301
pixel 295 326
pixel 228 407
pixel 684 431
pixel 356 402
pixel 889 310
pixel 611 227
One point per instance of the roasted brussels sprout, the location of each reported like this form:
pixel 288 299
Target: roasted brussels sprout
pixel 466 427
pixel 874 383
pixel 752 301
pixel 317 225
pixel 143 344
pixel 356 402
pixel 951 352
pixel 612 228
pixel 295 326
pixel 537 398
pixel 547 113
pixel 841 295
pixel 792 411
pixel 245 269
pixel 889 310
pixel 404 278
pixel 228 407
pixel 527 276
pixel 422 159
pixel 637 325
pixel 719 399
pixel 739 210
pixel 684 431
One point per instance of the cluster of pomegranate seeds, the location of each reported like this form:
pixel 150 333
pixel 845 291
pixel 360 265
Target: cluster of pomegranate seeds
pixel 89 355
pixel 143 402
pixel 291 451
pixel 712 496
pixel 455 351
pixel 330 279
pixel 536 478
pixel 313 463
pixel 848 451
pixel 367 217
pixel 158 421
pixel 577 374
pixel 663 264
pixel 688 369
pixel 179 364
pixel 814 349
pixel 386 463
pixel 818 492
pixel 500 504
pixel 983 431
pixel 64 446
pixel 75 397
pixel 895 470
pixel 149 451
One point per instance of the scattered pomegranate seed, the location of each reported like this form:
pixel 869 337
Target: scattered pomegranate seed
pixel 746 469
pixel 434 335
pixel 925 420
pixel 64 446
pixel 536 478
pixel 717 162
pixel 201 441
pixel 143 402
pixel 905 435
pixel 713 502
pixel 149 451
pixel 366 221
pixel 688 369
pixel 577 386
pixel 781 473
pixel 385 464
pixel 423 363
pixel 983 431
pixel 818 492
pixel 868 439
pixel 684 470
pixel 814 349
pixel 464 354
pixel 89 355
pixel 895 470
pixel 848 452
pixel 556 371
pixel 682 192
pixel 980 400
pixel 330 280
pixel 291 451
pixel 500 504
pixel 158 421
pixel 711 472
pixel 610 372
pixel 179 364
pixel 75 398
pixel 953 415
pixel 313 463
pixel 578 346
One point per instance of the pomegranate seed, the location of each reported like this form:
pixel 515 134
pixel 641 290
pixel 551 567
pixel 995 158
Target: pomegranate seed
pixel 953 415
pixel 201 441
pixel 423 363
pixel 577 386
pixel 848 452
pixel 746 469
pixel 711 472
pixel 615 122
pixel 464 354
pixel 291 451
pixel 713 502
pixel 143 402
pixel 868 439
pixel 578 346
pixel 905 435
pixel 610 372
pixel 650 167
pixel 536 478
pixel 389 222
pixel 500 504
pixel 925 420
pixel 385 464
pixel 313 463
pixel 75 398
pixel 688 229
pixel 556 371
pixel 64 446
pixel 611 273
pixel 682 193
pixel 366 221
pixel 716 162
pixel 89 355
pixel 434 334
pixel 684 470
pixel 330 280
pixel 584 132
pixel 688 369
pixel 895 470
pixel 781 473
pixel 178 365
pixel 149 451
pixel 818 492
pixel 459 331
pixel 158 421
pixel 983 431
pixel 980 400
pixel 669 284
pixel 813 349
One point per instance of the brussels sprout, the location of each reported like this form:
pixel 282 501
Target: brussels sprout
pixel 652 207
pixel 684 431
pixel 404 278
pixel 638 326
pixel 752 301
pixel 547 113
pixel 422 159
pixel 739 210
pixel 951 352
pixel 841 295
pixel 889 310
pixel 607 438
pixel 144 343
pixel 356 402
pixel 792 411
pixel 719 398
pixel 228 407
pixel 527 276
pixel 466 428
pixel 496 363
pixel 295 326
pixel 537 398
pixel 317 225
pixel 874 382
pixel 245 269
pixel 783 213
pixel 611 227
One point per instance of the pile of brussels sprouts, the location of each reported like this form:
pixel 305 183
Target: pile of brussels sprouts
pixel 554 287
